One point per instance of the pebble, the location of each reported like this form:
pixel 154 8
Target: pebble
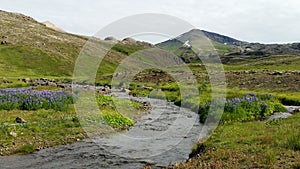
pixel 13 134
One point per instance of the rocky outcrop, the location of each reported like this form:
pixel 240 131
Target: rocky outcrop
pixel 111 38
pixel 52 26
pixel 129 40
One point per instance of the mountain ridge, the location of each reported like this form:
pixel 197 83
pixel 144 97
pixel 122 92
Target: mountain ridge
pixel 29 47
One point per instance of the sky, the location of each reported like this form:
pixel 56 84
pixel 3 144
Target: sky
pixel 264 21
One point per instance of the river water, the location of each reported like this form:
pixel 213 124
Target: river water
pixel 164 136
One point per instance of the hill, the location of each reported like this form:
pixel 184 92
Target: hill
pixel 32 49
pixel 229 49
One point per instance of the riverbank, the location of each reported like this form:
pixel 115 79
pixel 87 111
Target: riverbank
pixel 256 144
pixel 158 139
pixel 43 127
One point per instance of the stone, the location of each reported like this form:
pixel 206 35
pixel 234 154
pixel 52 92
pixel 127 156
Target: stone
pixel 4 42
pixel 51 84
pixel 279 116
pixel 114 95
pixel 297 110
pixel 44 79
pixel 4 80
pixel 13 134
pixel 293 109
pixel 107 89
pixel 26 80
pixel 20 120
pixel 41 83
pixel 277 73
pixel 110 38
pixel 127 91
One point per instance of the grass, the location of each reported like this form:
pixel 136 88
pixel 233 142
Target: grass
pixel 293 141
pixel 274 62
pixel 19 59
pixel 243 111
pixel 244 143
pixel 285 97
pixel 48 128
pixel 44 128
pixel 27 149
pixel 119 112
pixel 250 145
pixel 248 108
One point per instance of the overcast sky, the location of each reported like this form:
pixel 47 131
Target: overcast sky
pixel 266 21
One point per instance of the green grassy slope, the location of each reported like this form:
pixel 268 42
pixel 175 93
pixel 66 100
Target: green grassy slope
pixel 31 49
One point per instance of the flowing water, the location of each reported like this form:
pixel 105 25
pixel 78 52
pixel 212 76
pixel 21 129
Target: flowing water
pixel 160 138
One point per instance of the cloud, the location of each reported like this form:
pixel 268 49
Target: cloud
pixel 255 21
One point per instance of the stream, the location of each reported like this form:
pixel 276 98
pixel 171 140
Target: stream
pixel 160 138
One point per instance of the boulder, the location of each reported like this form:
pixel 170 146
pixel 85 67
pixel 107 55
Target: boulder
pixel 114 95
pixel 110 38
pixel 127 91
pixel 4 80
pixel 297 110
pixel 4 42
pixel 293 109
pixel 129 40
pixel 41 83
pixel 26 80
pixel 279 116
pixel 277 73
pixel 44 79
pixel 106 90
pixel 51 84
pixel 20 120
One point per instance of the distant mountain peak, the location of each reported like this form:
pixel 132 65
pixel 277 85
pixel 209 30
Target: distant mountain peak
pixel 216 37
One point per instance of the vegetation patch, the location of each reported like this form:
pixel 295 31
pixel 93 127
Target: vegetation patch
pixel 119 112
pixel 34 99
pixel 249 145
pixel 250 107
pixel 54 122
pixel 26 149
